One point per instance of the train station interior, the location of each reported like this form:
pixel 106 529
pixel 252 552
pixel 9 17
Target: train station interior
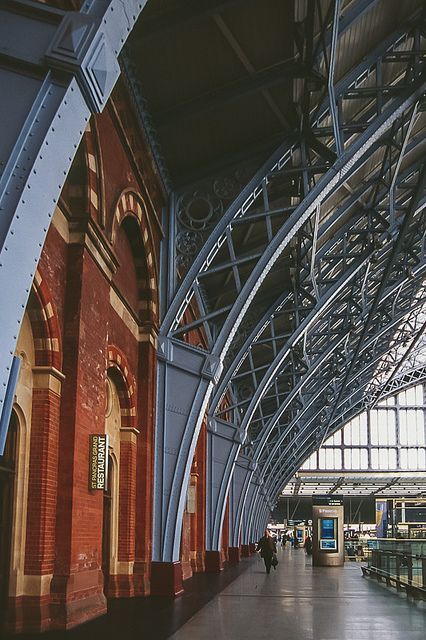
pixel 213 314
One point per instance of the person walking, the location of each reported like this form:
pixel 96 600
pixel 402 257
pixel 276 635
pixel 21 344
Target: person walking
pixel 308 545
pixel 268 550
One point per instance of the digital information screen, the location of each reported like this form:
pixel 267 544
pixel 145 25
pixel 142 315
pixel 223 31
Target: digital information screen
pixel 327 528
pixel 328 534
pixel 328 545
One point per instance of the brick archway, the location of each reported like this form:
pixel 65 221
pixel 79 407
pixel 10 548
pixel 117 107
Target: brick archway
pixel 131 203
pixel 44 324
pixel 126 386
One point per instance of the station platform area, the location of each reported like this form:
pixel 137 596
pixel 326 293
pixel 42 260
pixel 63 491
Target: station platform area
pixel 296 601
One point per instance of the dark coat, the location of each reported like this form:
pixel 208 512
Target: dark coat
pixel 267 547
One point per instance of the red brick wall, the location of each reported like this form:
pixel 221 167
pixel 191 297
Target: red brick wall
pixel 83 413
pixel 42 489
pixel 64 524
pixel 126 527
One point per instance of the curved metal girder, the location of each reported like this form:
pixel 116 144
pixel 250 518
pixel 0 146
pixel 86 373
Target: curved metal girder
pixel 346 414
pixel 320 390
pixel 274 489
pixel 285 304
pixel 225 467
pixel 278 464
pixel 315 367
pixel 300 325
pixel 410 245
pixel 51 82
pixel 278 308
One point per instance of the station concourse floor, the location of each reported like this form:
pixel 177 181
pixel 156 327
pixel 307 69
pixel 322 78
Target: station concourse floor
pixel 295 602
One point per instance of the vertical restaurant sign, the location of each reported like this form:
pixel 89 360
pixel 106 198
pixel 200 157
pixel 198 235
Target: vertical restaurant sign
pixel 98 461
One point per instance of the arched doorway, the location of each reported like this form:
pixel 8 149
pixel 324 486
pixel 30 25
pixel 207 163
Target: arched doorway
pixel 111 493
pixel 106 528
pixel 7 485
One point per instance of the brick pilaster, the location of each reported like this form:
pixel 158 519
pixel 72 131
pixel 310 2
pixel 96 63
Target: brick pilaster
pixel 31 610
pixel 77 584
pixel 145 462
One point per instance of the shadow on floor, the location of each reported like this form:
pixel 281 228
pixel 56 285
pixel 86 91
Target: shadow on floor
pixel 150 618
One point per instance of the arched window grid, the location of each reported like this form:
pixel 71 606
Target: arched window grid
pixel 389 437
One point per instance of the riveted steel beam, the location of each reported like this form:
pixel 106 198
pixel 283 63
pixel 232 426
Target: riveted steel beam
pixel 223 445
pixel 51 83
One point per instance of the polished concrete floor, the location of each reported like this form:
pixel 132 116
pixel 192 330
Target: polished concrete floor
pixel 295 602
pixel 299 602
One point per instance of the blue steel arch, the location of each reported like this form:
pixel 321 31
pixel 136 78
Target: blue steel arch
pixel 284 473
pixel 278 473
pixel 57 68
pixel 278 307
pixel 313 412
pixel 319 309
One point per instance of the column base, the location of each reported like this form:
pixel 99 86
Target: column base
pixel 245 550
pixel 234 555
pixel 77 598
pixel 166 579
pixel 213 562
pixel 141 578
pixel 198 562
pixel 121 586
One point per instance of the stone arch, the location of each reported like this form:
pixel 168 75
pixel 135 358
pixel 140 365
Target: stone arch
pixel 131 204
pixel 45 325
pixel 125 382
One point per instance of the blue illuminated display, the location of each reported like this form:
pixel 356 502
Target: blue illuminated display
pixel 327 528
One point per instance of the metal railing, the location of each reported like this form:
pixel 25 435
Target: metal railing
pixel 400 563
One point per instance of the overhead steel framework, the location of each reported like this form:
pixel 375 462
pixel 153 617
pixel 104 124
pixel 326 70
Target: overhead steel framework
pixel 308 290
pixel 311 275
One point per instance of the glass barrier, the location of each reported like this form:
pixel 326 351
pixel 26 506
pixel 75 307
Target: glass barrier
pixel 401 561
